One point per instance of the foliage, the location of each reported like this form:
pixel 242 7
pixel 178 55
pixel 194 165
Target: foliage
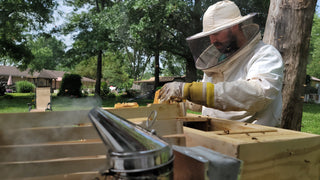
pixel 105 88
pixel 143 27
pixel 310 90
pixel 70 85
pixel 48 53
pixel 2 87
pixel 115 71
pixel 173 65
pixel 18 19
pixel 149 31
pixel 314 66
pixel 24 86
pixel 139 29
pixel 144 31
pixel 91 37
pixel 87 68
pixel 261 7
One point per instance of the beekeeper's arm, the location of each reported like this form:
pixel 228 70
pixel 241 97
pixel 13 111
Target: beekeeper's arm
pixel 262 85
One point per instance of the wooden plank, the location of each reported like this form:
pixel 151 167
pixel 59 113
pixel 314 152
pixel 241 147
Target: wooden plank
pixel 254 137
pixel 42 119
pixel 165 127
pixel 217 124
pixel 287 159
pixel 164 111
pixel 175 139
pixel 31 152
pixel 51 167
pixel 194 119
pixel 64 118
pixel 47 134
pixel 230 132
pixel 268 153
pixel 93 175
pixel 215 142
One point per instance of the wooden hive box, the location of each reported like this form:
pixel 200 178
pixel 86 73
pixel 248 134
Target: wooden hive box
pixel 266 152
pixel 65 145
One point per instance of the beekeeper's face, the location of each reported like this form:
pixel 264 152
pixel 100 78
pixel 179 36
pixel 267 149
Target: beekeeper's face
pixel 224 41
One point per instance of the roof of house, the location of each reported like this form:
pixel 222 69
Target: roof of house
pixel 47 74
pixel 161 79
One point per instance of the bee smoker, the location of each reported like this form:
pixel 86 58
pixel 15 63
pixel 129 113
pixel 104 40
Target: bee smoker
pixel 133 152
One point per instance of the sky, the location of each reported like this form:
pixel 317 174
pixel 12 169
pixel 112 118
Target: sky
pixel 59 19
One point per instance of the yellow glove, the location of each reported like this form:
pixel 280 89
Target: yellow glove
pixel 197 92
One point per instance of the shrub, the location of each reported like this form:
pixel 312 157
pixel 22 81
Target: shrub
pixel 25 87
pixel 105 89
pixel 310 90
pixel 2 88
pixel 70 85
pixel 131 93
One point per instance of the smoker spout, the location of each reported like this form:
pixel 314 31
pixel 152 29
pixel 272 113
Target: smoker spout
pixel 133 149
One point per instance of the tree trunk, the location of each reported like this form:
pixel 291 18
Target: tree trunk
pixel 156 69
pixel 97 90
pixel 191 74
pixel 98 76
pixel 157 62
pixel 191 71
pixel 288 28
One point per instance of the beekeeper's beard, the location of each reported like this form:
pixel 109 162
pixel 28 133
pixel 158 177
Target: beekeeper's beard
pixel 229 46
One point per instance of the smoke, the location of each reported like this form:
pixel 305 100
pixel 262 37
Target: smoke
pixel 42 143
pixel 67 103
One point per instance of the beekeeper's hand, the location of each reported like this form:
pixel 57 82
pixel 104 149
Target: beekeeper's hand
pixel 171 91
pixel 196 92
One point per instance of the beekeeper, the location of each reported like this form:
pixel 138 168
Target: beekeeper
pixel 242 76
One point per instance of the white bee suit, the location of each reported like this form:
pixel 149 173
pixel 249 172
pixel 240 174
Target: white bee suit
pixel 242 75
pixel 248 87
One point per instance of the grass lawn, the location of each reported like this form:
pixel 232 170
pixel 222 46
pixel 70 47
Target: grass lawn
pixel 311 118
pixel 17 102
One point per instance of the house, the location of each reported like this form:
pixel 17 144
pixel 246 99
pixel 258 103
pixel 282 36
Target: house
pixel 313 96
pixel 145 86
pixel 44 78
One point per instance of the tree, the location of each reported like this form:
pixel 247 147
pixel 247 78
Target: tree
pixel 87 68
pixel 115 70
pixel 149 28
pixel 288 28
pixel 146 31
pixel 122 22
pixel 161 27
pixel 173 65
pixel 18 19
pixel 92 36
pixel 48 53
pixel 185 19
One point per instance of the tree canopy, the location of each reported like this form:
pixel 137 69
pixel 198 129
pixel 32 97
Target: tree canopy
pixel 19 19
pixel 148 34
pixel 48 53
